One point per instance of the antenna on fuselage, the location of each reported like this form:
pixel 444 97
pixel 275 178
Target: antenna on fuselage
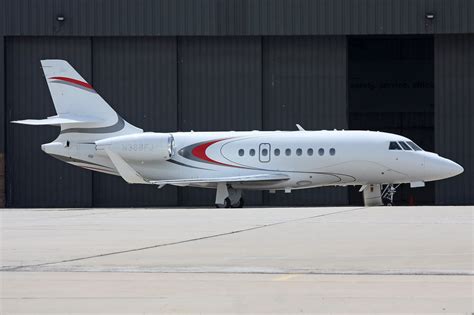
pixel 299 127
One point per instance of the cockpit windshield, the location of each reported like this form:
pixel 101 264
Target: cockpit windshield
pixel 394 146
pixel 404 145
pixel 414 146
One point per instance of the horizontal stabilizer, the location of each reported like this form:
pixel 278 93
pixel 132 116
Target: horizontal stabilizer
pixel 230 179
pixel 63 119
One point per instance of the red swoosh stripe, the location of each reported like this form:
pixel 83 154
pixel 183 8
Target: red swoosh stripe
pixel 74 81
pixel 200 152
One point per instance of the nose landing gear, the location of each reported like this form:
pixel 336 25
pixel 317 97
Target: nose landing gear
pixel 378 194
pixel 388 193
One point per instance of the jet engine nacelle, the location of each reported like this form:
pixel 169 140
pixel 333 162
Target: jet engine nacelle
pixel 148 146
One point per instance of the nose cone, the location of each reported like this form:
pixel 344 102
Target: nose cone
pixel 440 168
pixel 451 168
pixel 459 168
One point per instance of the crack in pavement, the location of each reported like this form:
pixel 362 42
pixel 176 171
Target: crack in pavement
pixel 17 268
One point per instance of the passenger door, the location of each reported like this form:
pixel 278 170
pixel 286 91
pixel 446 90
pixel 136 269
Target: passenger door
pixel 264 152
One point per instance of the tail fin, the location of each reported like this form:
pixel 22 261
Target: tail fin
pixel 81 112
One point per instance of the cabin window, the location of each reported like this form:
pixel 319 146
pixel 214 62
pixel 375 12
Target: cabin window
pixel 299 152
pixel 288 152
pixel 321 151
pixel 264 152
pixel 332 151
pixel 252 152
pixel 394 146
pixel 241 152
pixel 404 146
pixel 277 152
pixel 310 152
pixel 414 146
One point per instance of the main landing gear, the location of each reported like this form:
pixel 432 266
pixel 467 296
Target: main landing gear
pixel 228 204
pixel 388 193
pixel 228 197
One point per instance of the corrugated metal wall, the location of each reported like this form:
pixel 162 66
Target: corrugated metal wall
pixel 2 124
pixel 34 178
pixel 219 89
pixel 137 76
pixel 2 94
pixel 454 114
pixel 304 81
pixel 235 17
pixel 219 83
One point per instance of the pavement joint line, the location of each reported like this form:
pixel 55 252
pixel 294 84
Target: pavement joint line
pixel 17 268
pixel 82 214
pixel 276 273
pixel 285 277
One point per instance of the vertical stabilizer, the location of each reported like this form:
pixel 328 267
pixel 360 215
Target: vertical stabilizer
pixel 76 99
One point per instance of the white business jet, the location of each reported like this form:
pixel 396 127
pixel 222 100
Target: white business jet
pixel 93 136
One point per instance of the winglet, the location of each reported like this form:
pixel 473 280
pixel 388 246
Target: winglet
pixel 299 127
pixel 124 169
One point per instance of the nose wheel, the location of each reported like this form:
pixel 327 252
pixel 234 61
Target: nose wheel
pixel 388 193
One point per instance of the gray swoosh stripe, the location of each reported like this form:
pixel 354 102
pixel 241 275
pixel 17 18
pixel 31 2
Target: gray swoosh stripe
pixel 119 125
pixel 68 159
pixel 182 164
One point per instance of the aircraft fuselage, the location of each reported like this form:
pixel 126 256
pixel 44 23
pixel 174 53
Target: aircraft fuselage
pixel 308 158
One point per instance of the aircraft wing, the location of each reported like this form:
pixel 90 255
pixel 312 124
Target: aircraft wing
pixel 131 176
pixel 230 179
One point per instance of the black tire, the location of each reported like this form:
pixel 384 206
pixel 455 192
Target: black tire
pixel 227 203
pixel 239 204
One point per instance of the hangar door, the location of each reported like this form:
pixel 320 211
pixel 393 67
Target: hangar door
pixel 304 82
pixel 35 179
pixel 137 76
pixel 391 88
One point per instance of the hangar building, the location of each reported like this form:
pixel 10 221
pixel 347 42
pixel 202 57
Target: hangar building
pixel 403 66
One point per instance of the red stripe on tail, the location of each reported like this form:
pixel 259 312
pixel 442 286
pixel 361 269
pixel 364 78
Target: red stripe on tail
pixel 74 81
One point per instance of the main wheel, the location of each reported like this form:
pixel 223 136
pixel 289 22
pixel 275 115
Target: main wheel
pixel 226 204
pixel 239 204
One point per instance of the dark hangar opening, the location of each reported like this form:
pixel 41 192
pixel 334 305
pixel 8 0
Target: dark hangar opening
pixel 391 88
